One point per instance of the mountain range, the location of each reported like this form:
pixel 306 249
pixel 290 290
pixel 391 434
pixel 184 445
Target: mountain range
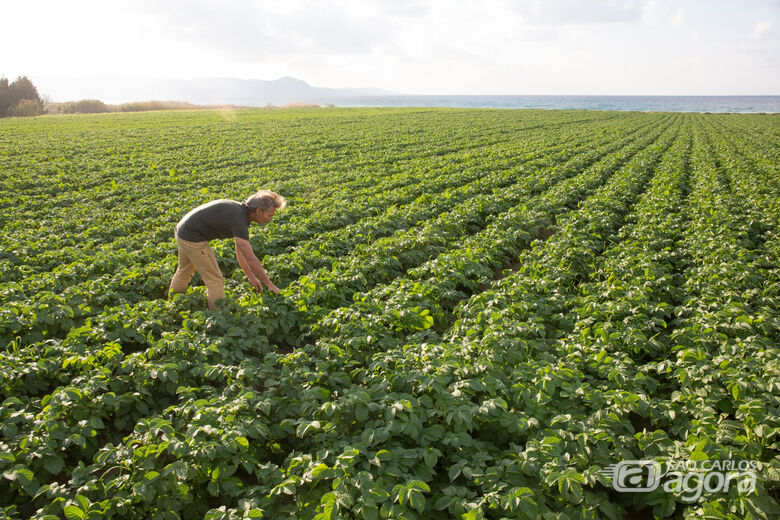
pixel 202 91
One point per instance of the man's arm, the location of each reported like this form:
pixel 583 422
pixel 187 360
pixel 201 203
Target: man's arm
pixel 252 266
pixel 248 270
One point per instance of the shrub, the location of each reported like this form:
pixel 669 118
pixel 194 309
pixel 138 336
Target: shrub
pixel 26 107
pixel 86 106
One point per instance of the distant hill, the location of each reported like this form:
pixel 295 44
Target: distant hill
pixel 203 91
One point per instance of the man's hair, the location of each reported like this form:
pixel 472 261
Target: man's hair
pixel 264 199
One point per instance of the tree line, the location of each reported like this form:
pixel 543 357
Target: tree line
pixel 19 98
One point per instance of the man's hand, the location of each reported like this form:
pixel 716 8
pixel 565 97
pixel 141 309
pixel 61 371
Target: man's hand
pixel 256 285
pixel 252 266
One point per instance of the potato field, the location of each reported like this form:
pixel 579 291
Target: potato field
pixel 482 312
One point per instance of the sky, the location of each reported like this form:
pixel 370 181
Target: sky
pixel 559 47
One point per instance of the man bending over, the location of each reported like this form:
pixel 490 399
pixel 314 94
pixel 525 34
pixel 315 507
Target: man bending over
pixel 222 219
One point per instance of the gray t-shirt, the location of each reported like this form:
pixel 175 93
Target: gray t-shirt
pixel 217 219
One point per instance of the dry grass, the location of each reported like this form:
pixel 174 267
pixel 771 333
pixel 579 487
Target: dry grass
pixel 301 105
pixel 93 106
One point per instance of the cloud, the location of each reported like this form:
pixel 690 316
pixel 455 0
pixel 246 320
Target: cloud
pixel 563 12
pixel 406 8
pixel 760 47
pixel 256 30
pixel 678 19
pixel 762 29
pixel 660 12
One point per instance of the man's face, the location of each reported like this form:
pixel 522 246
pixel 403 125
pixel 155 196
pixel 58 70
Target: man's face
pixel 264 217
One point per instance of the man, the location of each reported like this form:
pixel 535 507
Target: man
pixel 222 219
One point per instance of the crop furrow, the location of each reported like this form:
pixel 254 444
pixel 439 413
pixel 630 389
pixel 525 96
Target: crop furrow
pixel 766 139
pixel 564 261
pixel 603 333
pixel 422 299
pixel 763 166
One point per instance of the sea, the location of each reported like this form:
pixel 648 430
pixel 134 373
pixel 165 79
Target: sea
pixel 715 104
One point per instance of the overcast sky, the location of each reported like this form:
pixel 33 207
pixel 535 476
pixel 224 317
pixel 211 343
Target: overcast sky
pixel 409 46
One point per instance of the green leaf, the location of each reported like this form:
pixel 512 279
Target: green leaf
pixel 84 501
pixel 419 484
pixel 361 412
pixel 42 491
pixel 306 427
pixel 319 470
pixel 178 468
pixel 384 455
pixel 328 503
pixel 54 464
pixel 416 500
pixel 427 322
pixel 430 458
pixel 369 512
pixel 762 506
pixel 474 514
pixel 443 502
pixel 21 473
pixel 74 513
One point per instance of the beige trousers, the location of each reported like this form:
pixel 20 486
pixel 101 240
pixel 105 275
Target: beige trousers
pixel 198 256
